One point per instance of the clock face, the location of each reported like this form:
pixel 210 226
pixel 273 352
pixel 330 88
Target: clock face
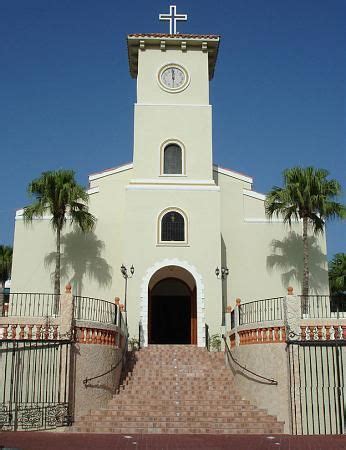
pixel 173 78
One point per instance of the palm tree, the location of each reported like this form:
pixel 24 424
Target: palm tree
pixel 337 274
pixel 57 193
pixel 309 196
pixel 5 263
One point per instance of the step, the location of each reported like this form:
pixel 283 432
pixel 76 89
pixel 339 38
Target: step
pixel 178 389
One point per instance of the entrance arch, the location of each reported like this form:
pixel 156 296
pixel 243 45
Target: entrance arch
pixel 172 309
pixel 150 278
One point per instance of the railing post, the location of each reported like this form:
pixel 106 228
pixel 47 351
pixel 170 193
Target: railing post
pixel 292 314
pixel 237 313
pixel 207 343
pixel 117 303
pixel 66 313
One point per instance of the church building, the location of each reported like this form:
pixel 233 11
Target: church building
pixel 191 235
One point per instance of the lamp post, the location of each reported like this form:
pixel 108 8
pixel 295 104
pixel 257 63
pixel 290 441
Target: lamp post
pixel 126 276
pixel 224 272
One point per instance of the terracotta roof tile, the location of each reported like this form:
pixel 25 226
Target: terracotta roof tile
pixel 183 36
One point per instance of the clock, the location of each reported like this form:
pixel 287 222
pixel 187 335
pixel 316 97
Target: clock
pixel 173 78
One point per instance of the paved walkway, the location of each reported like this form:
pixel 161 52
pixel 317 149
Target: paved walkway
pixel 67 441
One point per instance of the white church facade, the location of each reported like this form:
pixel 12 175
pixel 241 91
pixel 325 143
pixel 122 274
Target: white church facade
pixel 195 233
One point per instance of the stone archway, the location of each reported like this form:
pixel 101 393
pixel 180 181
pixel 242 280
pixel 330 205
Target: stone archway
pixel 173 268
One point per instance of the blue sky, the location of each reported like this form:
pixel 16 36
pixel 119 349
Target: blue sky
pixel 66 96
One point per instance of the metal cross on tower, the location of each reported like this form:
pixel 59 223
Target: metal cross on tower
pixel 173 17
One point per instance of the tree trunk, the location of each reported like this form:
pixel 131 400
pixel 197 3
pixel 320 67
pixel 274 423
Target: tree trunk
pixel 57 264
pixel 305 287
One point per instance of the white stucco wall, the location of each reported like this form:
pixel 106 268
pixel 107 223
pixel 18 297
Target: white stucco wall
pixel 226 222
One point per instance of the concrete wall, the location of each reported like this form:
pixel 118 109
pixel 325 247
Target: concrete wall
pixel 89 360
pixel 270 361
pixel 267 254
pixel 226 221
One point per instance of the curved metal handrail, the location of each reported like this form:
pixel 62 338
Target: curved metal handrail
pixel 270 380
pixel 86 380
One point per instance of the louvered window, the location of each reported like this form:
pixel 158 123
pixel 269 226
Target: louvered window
pixel 172 227
pixel 172 160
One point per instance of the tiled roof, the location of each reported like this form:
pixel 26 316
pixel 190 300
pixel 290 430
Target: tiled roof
pixel 183 36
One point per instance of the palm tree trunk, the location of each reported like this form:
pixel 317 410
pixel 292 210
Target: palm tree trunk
pixel 57 264
pixel 305 287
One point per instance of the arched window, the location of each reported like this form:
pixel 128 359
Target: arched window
pixel 172 160
pixel 172 227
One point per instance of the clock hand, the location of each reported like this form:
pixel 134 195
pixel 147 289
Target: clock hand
pixel 173 76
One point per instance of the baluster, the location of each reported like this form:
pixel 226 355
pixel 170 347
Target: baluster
pixel 283 333
pixel 84 335
pixel 90 337
pixel 339 332
pixel 55 331
pixel 324 333
pixel 332 333
pixel 5 333
pixel 249 336
pixel 246 337
pixel 13 331
pixel 343 331
pixel 38 331
pixel 98 337
pixel 30 327
pixel 102 337
pixel 319 332
pixel 276 334
pixel 241 338
pixel 264 335
pixel 327 332
pixel 271 334
pixel 22 332
pixel 303 333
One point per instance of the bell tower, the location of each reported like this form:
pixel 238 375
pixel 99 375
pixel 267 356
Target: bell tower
pixel 173 116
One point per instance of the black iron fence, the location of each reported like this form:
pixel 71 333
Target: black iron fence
pixel 261 311
pixel 323 306
pixel 35 304
pixel 94 309
pixel 269 309
pixel 32 304
pixel 34 384
pixel 207 337
pixel 317 386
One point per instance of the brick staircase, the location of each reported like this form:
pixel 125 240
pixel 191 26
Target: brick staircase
pixel 178 389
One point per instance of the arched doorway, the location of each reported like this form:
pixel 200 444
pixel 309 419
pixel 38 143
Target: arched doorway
pixel 172 307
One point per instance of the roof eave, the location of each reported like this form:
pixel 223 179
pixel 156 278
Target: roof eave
pixel 208 43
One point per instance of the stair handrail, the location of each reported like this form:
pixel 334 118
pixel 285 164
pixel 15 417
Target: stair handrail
pixel 86 380
pixel 270 380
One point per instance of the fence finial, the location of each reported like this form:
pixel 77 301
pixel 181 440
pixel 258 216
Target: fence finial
pixel 68 288
pixel 238 301
pixel 290 290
